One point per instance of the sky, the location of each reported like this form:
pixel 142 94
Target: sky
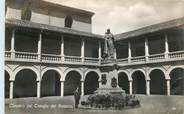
pixel 126 15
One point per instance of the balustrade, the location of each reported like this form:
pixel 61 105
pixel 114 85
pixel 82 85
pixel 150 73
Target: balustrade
pixel 125 60
pixel 138 59
pixel 177 54
pixel 87 60
pixel 156 57
pixel 7 54
pixel 26 56
pixel 72 59
pixel 91 60
pixel 50 57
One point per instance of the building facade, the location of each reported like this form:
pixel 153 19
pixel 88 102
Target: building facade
pixel 51 52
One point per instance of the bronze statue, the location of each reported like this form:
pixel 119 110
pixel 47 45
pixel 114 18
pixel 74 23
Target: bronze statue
pixel 109 47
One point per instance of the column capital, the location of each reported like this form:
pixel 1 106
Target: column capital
pixel 11 80
pixel 81 80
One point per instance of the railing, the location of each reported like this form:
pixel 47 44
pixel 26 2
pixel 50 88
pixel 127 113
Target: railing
pixel 177 54
pixel 125 60
pixel 138 59
pixel 91 60
pixel 7 54
pixel 26 56
pixel 72 59
pixel 50 57
pixel 156 57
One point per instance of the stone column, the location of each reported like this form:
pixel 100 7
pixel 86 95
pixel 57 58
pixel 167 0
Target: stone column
pixel 130 87
pixel 11 89
pixel 99 83
pixel 38 89
pixel 115 54
pixel 168 87
pixel 62 88
pixel 13 44
pixel 148 87
pixel 82 88
pixel 62 48
pixel 39 46
pixel 82 50
pixel 146 49
pixel 166 46
pixel 129 52
pixel 99 51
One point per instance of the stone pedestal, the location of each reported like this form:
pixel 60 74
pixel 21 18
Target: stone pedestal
pixel 111 72
pixel 113 91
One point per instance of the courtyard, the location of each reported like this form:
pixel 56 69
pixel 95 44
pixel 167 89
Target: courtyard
pixel 154 104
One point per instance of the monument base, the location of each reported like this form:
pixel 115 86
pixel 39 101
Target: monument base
pixel 113 91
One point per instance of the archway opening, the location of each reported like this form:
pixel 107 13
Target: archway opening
pixel 72 81
pixel 50 84
pixel 177 81
pixel 7 84
pixel 91 83
pixel 25 84
pixel 157 82
pixel 139 83
pixel 123 81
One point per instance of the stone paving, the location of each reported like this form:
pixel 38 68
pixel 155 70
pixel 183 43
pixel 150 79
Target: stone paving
pixel 149 105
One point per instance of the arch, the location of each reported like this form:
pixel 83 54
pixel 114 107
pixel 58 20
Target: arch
pixel 25 84
pixel 139 82
pixel 141 70
pixel 7 84
pixel 68 21
pixel 91 82
pixel 9 71
pixel 177 81
pixel 123 81
pixel 18 69
pixel 73 69
pixel 72 82
pixel 157 82
pixel 172 68
pixel 54 69
pixel 127 74
pixel 92 70
pixel 50 83
pixel 157 68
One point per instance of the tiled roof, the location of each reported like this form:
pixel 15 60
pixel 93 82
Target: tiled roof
pixel 150 29
pixel 38 26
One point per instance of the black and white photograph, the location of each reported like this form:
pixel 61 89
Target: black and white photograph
pixel 93 57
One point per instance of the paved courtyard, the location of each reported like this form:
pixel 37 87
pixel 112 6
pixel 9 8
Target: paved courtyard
pixel 149 105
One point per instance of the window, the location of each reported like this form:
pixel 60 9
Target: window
pixel 26 13
pixel 68 21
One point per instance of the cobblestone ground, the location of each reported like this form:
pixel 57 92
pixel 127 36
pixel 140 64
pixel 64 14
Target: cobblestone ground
pixel 149 105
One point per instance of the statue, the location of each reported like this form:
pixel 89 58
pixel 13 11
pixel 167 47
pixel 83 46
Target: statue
pixel 109 48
